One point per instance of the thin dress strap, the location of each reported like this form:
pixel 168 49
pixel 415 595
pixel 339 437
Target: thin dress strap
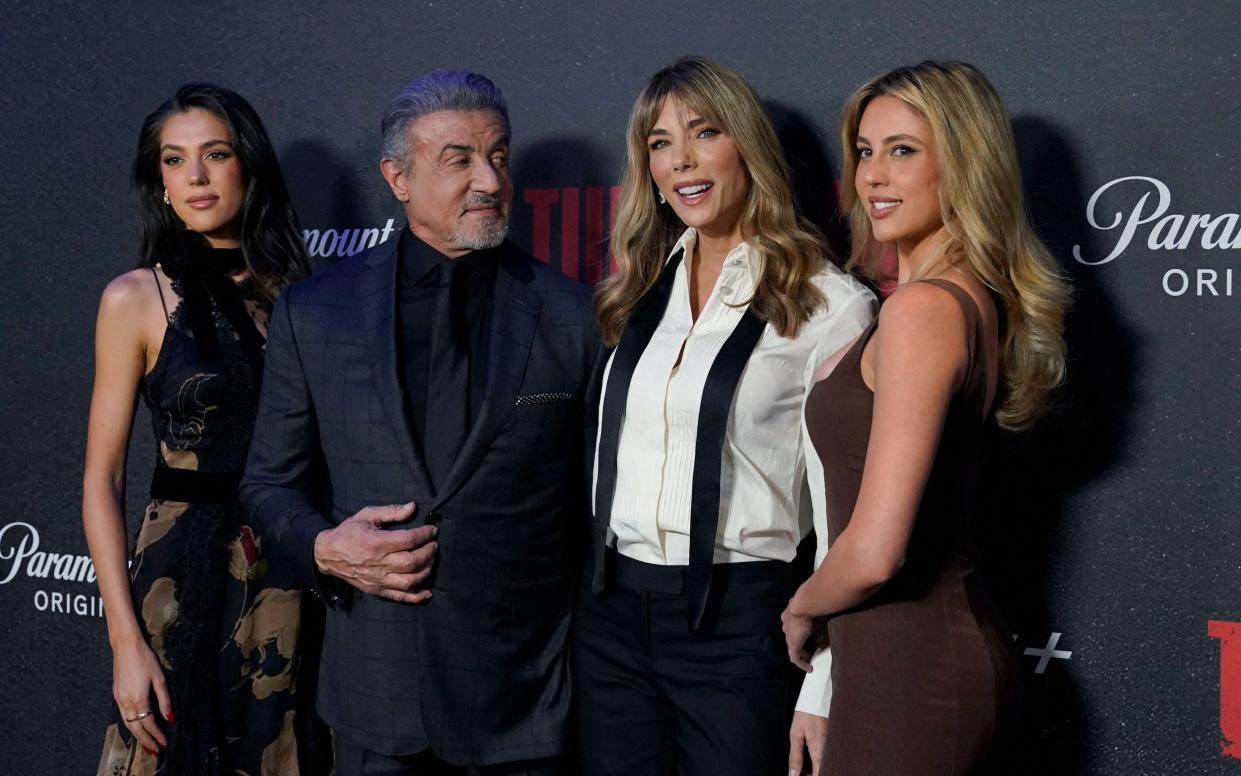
pixel 160 288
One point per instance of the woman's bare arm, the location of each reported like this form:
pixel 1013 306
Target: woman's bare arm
pixel 920 353
pixel 123 332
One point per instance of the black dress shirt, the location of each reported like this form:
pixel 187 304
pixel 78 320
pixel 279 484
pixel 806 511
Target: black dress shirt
pixel 419 289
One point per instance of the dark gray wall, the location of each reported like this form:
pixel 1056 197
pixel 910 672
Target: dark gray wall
pixel 1112 526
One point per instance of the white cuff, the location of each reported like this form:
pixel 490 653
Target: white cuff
pixel 816 688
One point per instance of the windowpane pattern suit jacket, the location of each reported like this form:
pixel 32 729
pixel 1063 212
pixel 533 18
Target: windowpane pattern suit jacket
pixel 478 673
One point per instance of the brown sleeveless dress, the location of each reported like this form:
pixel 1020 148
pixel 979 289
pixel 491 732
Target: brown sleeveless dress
pixel 924 673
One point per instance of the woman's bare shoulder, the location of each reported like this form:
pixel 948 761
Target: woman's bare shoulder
pixel 919 306
pixel 923 323
pixel 133 295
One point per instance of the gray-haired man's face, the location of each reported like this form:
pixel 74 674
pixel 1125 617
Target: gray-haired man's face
pixel 455 182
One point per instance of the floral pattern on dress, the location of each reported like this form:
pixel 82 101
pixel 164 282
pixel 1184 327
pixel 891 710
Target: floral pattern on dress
pixel 280 756
pixel 266 635
pixel 158 520
pixel 159 612
pixel 245 561
pixel 221 619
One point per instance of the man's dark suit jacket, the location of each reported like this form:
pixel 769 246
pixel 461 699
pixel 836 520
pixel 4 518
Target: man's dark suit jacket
pixel 478 672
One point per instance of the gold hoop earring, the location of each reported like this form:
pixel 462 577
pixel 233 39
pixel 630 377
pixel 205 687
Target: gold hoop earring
pixel 166 200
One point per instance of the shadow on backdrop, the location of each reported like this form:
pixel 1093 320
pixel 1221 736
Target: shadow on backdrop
pixel 562 204
pixel 813 175
pixel 1026 486
pixel 326 193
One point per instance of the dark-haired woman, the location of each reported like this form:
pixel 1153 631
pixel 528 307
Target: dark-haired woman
pixel 203 625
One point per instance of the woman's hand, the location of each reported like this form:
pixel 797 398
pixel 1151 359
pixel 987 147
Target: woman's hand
pixel 807 734
pixel 136 672
pixel 797 631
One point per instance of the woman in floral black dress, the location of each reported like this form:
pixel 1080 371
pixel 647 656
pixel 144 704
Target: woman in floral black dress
pixel 204 626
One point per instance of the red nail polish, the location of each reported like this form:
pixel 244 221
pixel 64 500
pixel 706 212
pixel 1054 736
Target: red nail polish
pixel 172 718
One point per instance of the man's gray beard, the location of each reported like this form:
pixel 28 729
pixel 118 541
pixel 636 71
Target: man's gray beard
pixel 489 233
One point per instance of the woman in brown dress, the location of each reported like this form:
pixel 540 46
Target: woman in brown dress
pixel 924 675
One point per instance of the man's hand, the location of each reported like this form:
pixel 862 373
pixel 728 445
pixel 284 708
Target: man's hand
pixel 807 735
pixel 389 564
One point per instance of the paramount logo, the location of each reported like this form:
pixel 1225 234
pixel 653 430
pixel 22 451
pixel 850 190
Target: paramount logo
pixel 19 549
pixel 1167 231
pixel 339 243
pixel 1164 231
pixel 19 552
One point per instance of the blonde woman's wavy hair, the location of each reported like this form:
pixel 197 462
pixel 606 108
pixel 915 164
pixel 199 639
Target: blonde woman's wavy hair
pixel 984 214
pixel 793 251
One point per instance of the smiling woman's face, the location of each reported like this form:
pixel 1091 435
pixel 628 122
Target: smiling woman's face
pixel 202 174
pixel 898 174
pixel 699 170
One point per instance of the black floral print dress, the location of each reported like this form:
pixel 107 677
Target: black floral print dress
pixel 222 618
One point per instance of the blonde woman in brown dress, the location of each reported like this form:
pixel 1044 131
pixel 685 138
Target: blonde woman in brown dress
pixel 924 676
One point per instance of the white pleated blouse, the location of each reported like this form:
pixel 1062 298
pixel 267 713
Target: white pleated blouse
pixel 763 466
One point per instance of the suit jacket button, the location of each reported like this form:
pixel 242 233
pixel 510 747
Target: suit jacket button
pixel 433 518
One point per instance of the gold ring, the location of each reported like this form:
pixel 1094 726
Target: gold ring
pixel 143 715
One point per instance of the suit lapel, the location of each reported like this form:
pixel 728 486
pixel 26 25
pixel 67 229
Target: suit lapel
pixel 377 298
pixel 513 322
pixel 644 320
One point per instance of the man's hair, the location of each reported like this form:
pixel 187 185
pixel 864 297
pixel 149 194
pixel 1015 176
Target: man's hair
pixel 436 91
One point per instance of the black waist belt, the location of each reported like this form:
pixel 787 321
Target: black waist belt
pixel 195 487
pixel 672 580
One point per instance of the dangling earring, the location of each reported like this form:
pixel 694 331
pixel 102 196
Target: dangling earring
pixel 662 201
pixel 166 200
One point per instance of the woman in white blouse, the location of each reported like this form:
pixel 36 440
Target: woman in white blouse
pixel 721 303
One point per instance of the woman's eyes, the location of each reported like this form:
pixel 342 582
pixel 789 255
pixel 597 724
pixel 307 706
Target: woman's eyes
pixel 899 150
pixel 706 133
pixel 215 156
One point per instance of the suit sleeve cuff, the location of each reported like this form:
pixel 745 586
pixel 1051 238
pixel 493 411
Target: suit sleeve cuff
pixel 326 587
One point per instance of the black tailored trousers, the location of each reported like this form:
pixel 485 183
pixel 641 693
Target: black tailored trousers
pixel 652 699
pixel 353 760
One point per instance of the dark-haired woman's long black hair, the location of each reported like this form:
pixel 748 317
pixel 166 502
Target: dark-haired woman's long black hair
pixel 271 239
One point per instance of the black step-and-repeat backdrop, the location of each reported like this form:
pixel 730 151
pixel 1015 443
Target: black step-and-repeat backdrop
pixel 1112 531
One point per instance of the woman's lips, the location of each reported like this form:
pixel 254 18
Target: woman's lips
pixel 202 203
pixel 882 208
pixel 694 192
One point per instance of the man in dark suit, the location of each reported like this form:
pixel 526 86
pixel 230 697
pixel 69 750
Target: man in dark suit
pixel 433 388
